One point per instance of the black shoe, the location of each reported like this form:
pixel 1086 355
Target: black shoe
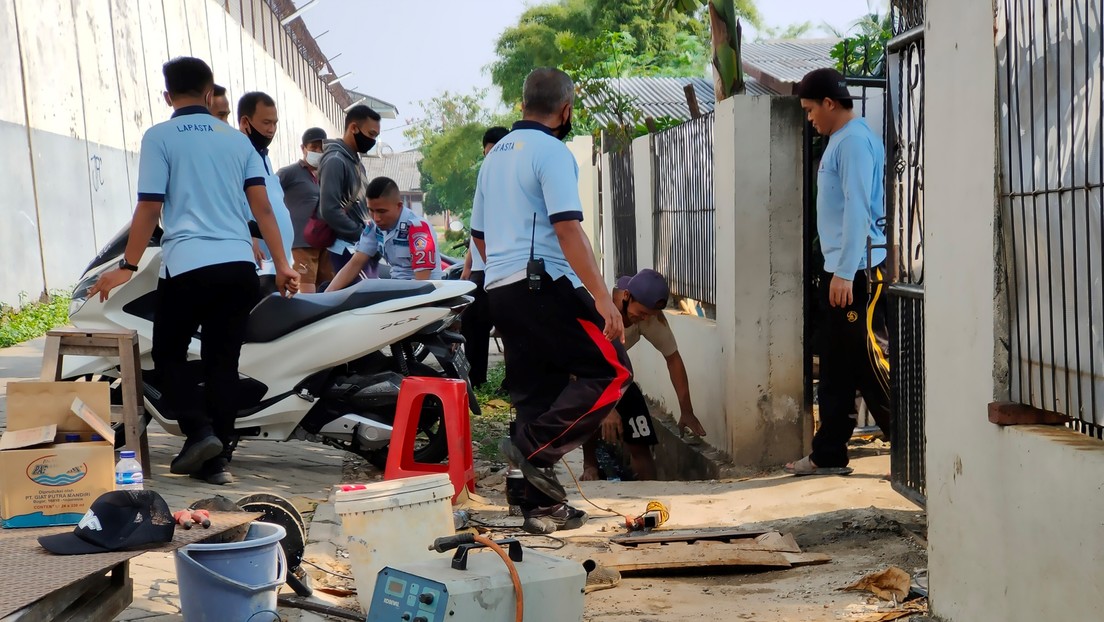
pixel 194 454
pixel 215 472
pixel 559 517
pixel 542 480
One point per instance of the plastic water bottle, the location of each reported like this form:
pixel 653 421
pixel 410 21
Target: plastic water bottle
pixel 128 473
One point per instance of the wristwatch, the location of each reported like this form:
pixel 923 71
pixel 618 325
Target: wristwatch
pixel 123 265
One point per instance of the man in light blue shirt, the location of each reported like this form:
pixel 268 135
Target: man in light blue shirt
pixel 258 119
pixel 192 173
pixel 396 233
pixel 850 221
pixel 565 361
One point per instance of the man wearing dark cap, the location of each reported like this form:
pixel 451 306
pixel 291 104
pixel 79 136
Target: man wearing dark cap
pixel 300 184
pixel 641 299
pixel 850 210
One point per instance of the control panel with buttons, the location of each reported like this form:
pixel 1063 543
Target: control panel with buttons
pixel 405 598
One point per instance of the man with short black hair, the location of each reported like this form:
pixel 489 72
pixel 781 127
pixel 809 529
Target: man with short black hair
pixel 220 104
pixel 343 182
pixel 565 363
pixel 397 234
pixel 850 208
pixel 476 324
pixel 300 184
pixel 258 119
pixel 192 172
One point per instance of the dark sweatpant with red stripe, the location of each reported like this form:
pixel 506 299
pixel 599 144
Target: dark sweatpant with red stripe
pixel 549 336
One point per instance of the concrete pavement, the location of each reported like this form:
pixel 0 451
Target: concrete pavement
pixel 303 473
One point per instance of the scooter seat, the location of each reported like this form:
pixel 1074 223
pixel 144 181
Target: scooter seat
pixel 276 316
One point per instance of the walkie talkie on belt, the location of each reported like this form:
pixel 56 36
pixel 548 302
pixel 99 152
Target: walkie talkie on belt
pixel 534 270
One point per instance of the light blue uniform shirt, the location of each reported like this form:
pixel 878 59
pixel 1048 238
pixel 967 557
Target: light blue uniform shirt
pixel 409 247
pixel 199 167
pixel 851 199
pixel 279 210
pixel 477 259
pixel 529 172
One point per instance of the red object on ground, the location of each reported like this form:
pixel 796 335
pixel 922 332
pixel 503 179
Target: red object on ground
pixel 400 457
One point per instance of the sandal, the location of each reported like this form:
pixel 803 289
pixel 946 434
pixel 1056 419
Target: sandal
pixel 805 466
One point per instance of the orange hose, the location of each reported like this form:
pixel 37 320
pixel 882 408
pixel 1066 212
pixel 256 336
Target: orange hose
pixel 491 544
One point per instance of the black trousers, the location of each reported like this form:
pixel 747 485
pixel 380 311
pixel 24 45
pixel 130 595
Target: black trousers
pixel 217 298
pixel 476 325
pixel 551 335
pixel 854 357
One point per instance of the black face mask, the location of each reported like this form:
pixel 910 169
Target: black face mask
pixel 259 140
pixel 364 142
pixel 564 130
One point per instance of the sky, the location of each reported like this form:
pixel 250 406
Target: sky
pixel 406 51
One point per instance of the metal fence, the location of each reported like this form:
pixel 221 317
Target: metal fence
pixel 623 211
pixel 1050 72
pixel 685 236
pixel 905 234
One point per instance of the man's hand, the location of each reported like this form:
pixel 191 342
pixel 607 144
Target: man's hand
pixel 841 293
pixel 258 254
pixel 615 329
pixel 109 281
pixel 287 281
pixel 611 427
pixel 689 421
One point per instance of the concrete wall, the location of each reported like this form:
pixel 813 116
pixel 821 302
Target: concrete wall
pixel 83 82
pixel 1014 513
pixel 745 368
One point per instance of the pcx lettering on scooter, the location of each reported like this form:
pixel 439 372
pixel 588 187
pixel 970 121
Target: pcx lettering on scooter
pixel 400 322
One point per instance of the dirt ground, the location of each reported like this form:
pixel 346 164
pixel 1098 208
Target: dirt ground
pixel 858 520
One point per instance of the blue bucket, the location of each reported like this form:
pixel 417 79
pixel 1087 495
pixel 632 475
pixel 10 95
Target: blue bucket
pixel 235 581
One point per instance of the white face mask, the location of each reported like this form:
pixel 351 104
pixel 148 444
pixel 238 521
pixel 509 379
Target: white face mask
pixel 314 159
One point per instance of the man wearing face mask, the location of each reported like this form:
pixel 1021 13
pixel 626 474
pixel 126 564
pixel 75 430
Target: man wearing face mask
pixel 257 119
pixel 565 361
pixel 300 184
pixel 343 182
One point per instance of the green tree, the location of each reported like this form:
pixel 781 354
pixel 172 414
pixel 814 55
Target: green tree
pixel 595 64
pixel 862 50
pixel 724 29
pixel 535 40
pixel 449 136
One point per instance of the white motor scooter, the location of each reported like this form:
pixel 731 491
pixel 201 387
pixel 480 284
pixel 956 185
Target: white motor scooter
pixel 319 367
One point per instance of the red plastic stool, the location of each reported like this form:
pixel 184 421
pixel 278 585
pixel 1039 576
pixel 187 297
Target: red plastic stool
pixel 400 456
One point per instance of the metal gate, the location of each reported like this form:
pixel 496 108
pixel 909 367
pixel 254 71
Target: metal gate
pixel 905 233
pixel 623 208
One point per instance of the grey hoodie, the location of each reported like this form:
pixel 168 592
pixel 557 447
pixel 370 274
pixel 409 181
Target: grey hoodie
pixel 342 185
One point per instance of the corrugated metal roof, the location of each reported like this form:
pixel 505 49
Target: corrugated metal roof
pixel 401 167
pixel 385 109
pixel 790 59
pixel 665 97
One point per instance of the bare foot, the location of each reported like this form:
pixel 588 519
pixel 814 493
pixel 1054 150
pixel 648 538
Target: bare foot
pixel 590 474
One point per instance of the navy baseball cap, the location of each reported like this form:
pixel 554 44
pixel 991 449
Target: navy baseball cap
pixel 117 521
pixel 647 287
pixel 313 135
pixel 821 84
